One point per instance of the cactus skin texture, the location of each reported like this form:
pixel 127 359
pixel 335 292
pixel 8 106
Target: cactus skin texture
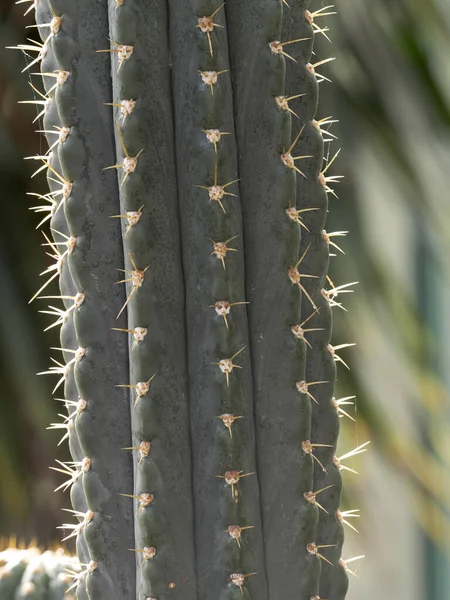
pixel 28 574
pixel 188 199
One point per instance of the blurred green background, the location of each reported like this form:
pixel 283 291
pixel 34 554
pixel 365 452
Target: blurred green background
pixel 390 91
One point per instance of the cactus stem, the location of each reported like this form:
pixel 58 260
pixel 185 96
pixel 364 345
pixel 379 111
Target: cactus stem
pixel 226 365
pixel 277 47
pixel 238 579
pixel 223 308
pixel 228 421
pixel 221 249
pixel 210 78
pixel 206 25
pixel 122 50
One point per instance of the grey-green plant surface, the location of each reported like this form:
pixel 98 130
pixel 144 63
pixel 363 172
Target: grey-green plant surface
pixel 187 207
pixel 29 574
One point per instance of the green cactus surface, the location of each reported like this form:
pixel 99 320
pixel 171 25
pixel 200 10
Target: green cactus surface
pixel 29 574
pixel 189 179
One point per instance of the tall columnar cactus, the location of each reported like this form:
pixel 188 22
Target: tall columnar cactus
pixel 187 205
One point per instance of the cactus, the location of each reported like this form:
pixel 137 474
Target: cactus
pixel 29 574
pixel 187 206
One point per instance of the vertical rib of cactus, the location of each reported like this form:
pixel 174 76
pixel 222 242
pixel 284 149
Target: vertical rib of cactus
pixel 272 238
pixel 222 421
pixel 320 365
pixel 83 83
pixel 60 233
pixel 155 299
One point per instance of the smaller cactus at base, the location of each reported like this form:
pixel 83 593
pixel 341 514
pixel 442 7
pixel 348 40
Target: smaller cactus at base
pixel 29 574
